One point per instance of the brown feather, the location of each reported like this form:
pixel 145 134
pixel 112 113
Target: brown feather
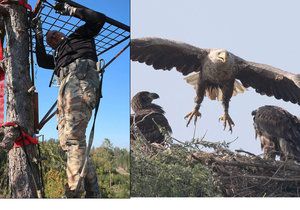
pixel 148 116
pixel 269 81
pixel 214 92
pixel 276 126
pixel 165 54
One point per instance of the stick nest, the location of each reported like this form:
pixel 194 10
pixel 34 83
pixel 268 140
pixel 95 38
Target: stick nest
pixel 242 174
pixel 235 173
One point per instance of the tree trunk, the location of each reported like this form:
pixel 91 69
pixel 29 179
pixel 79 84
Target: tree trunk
pixel 22 168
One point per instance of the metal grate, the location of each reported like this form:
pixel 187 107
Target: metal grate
pixel 112 33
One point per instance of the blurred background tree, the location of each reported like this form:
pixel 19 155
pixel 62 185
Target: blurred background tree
pixel 112 166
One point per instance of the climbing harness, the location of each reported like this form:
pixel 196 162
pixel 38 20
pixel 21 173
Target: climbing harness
pixel 47 116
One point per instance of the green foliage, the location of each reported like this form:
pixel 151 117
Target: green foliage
pixel 53 164
pixel 112 166
pixel 111 163
pixel 54 183
pixel 168 172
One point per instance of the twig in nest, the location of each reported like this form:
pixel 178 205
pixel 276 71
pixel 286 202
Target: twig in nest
pixel 142 118
pixel 232 141
pixel 167 138
pixel 293 179
pixel 196 141
pixel 274 174
pixel 181 142
pixel 246 152
pixel 259 164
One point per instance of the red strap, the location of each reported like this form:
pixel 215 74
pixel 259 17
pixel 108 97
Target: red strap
pixel 24 4
pixel 2 78
pixel 7 124
pixel 24 139
pixel 20 2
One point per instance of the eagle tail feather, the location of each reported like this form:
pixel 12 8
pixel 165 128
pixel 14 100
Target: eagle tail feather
pixel 214 93
pixel 238 87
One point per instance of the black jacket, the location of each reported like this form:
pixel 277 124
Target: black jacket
pixel 79 44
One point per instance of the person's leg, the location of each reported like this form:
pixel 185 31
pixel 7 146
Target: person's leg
pixel 80 96
pixel 77 116
pixel 61 117
pixel 71 146
pixel 91 182
pixel 90 85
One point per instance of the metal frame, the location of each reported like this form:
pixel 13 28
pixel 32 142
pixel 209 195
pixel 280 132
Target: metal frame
pixel 112 34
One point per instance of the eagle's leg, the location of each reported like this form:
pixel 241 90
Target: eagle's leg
pixel 227 91
pixel 198 100
pixel 195 113
pixel 268 147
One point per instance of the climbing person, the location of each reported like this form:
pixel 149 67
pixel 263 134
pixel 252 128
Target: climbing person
pixel 74 63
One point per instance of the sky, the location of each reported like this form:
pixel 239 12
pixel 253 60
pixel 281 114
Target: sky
pixel 259 31
pixel 113 116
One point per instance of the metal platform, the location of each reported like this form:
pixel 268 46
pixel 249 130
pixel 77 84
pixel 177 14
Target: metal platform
pixel 112 34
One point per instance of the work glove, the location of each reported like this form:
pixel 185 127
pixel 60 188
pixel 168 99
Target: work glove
pixel 37 25
pixel 64 8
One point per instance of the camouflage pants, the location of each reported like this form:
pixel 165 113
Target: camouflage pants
pixel 77 98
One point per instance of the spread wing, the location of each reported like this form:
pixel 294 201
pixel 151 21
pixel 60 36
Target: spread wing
pixel 165 54
pixel 268 80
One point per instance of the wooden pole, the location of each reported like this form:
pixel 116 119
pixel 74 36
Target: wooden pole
pixel 23 173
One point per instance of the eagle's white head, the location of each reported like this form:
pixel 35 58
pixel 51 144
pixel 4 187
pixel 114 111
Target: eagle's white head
pixel 220 56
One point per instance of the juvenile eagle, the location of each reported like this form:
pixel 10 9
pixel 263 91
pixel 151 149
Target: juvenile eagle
pixel 147 116
pixel 279 132
pixel 216 73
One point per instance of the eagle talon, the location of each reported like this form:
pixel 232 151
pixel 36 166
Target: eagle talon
pixel 227 120
pixel 190 116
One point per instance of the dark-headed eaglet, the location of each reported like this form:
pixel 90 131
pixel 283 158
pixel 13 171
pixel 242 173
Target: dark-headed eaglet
pixel 149 117
pixel 215 73
pixel 279 132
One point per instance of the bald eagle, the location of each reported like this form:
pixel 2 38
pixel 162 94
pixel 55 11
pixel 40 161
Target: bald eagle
pixel 279 132
pixel 215 72
pixel 148 116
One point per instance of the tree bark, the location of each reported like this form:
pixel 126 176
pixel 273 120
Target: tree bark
pixel 22 168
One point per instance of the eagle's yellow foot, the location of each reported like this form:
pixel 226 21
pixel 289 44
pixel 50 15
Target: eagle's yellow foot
pixel 227 120
pixel 192 114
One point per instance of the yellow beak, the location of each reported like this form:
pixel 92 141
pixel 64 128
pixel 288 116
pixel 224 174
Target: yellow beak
pixel 223 56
